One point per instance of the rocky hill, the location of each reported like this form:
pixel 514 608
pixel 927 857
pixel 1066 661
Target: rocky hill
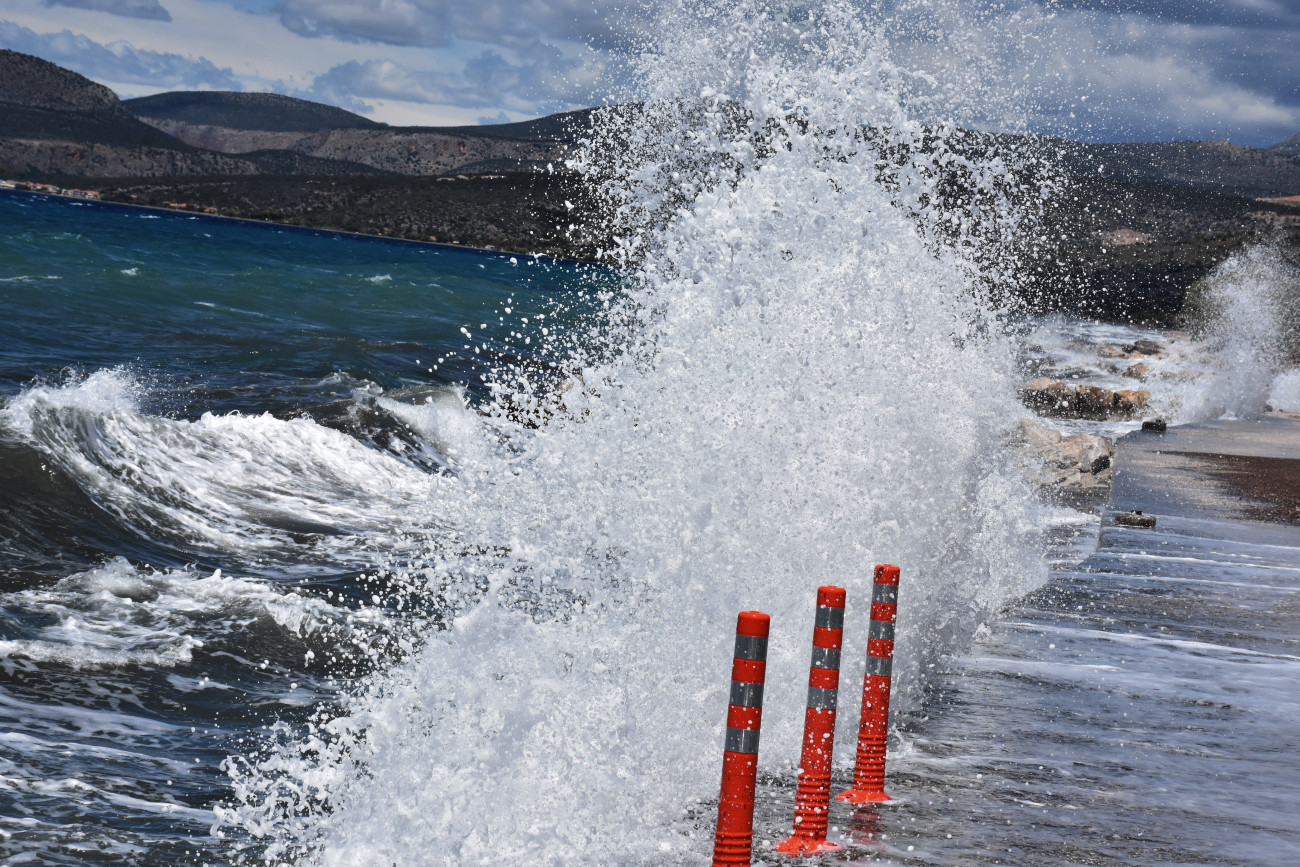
pixel 526 213
pixel 29 82
pixel 55 123
pixel 40 101
pixel 1290 147
pixel 1207 165
pixel 236 123
pixel 245 111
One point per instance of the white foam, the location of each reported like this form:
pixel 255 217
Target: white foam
pixel 229 483
pixel 445 422
pixel 1247 299
pixel 118 615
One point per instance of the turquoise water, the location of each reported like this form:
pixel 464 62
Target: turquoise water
pixel 209 430
pixel 212 302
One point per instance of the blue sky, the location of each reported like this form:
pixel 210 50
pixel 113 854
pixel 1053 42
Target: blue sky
pixel 1104 70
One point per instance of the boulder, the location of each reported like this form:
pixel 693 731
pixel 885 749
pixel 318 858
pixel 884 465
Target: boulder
pixel 1136 371
pixel 1048 396
pixel 1091 401
pixel 1129 401
pixel 1145 347
pixel 1136 519
pixel 1054 460
pixel 1038 436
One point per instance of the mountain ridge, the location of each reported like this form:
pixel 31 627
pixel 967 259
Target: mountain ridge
pixel 252 111
pixel 1290 147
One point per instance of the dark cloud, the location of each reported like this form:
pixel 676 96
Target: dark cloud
pixel 436 23
pixel 1233 13
pixel 120 62
pixel 150 9
pixel 1147 77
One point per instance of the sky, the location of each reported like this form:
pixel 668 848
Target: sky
pixel 1102 70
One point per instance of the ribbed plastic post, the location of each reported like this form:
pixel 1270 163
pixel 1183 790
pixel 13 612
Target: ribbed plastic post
pixel 813 797
pixel 869 772
pixel 733 844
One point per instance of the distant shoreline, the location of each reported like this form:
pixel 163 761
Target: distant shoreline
pixel 198 215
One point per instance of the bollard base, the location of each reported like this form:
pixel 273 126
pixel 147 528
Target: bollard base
pixel 860 796
pixel 797 846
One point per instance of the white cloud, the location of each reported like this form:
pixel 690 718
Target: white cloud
pixel 118 62
pixel 1129 76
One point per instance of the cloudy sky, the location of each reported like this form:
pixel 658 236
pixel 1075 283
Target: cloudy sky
pixel 1149 69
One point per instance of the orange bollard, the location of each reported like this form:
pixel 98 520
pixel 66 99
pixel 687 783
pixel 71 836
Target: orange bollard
pixel 733 844
pixel 813 797
pixel 869 772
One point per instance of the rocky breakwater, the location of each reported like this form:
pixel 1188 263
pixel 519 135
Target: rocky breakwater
pixel 1055 459
pixel 1055 398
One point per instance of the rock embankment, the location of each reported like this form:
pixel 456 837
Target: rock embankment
pixel 1054 398
pixel 1082 460
pixel 1053 459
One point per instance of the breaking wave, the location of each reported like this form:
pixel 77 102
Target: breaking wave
pixel 803 374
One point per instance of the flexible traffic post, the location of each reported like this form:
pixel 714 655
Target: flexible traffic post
pixel 733 844
pixel 869 771
pixel 813 796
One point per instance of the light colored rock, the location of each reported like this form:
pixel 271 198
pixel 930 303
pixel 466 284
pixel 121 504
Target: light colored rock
pixel 1037 435
pixel 1136 371
pixel 1053 460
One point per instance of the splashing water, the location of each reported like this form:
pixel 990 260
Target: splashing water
pixel 801 378
pixel 1250 304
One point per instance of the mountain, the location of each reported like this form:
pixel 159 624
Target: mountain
pixel 44 102
pixel 1290 147
pixel 240 123
pixel 56 123
pixel 1207 165
pixel 245 111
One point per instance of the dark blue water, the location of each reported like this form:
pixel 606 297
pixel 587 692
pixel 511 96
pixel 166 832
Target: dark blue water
pixel 198 425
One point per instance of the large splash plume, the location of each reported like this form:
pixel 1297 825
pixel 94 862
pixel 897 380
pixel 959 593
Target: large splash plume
pixel 1246 314
pixel 803 373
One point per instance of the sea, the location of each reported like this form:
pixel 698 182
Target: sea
pixel 327 549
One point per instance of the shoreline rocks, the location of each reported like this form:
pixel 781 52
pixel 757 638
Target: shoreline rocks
pixel 1052 397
